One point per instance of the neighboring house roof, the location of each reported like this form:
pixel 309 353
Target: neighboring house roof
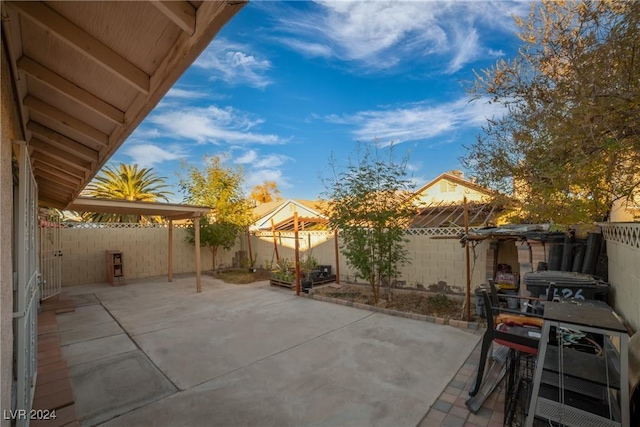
pixel 456 179
pixel 283 219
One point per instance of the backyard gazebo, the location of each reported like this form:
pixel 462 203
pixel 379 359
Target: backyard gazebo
pixel 168 211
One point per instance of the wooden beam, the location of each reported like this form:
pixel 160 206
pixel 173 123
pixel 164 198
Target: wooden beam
pixel 170 250
pixel 43 161
pixel 70 90
pixel 83 42
pixel 54 184
pixel 297 251
pixel 59 155
pixel 467 259
pixel 196 227
pixel 62 142
pixel 61 174
pixel 335 239
pixel 63 180
pixel 275 243
pixel 100 139
pixel 47 189
pixel 180 12
pixel 52 202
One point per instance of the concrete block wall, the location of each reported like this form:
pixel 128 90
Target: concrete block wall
pixel 145 253
pixel 432 260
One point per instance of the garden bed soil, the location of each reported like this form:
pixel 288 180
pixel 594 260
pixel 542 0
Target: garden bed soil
pixel 437 305
pixel 242 276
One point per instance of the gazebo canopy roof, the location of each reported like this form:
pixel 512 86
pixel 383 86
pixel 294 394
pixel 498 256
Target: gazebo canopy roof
pixel 167 210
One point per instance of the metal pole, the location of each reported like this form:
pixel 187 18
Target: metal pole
pixel 249 246
pixel 466 250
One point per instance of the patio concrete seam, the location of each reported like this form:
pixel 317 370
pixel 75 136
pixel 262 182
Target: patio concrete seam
pixel 281 351
pixel 137 345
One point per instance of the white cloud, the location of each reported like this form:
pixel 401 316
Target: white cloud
pixel 148 155
pixel 212 124
pixel 380 34
pixel 259 168
pixel 419 121
pixel 184 93
pixel 233 63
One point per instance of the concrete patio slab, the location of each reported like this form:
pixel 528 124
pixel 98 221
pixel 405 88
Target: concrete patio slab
pixel 259 355
pixel 85 299
pixel 91 332
pixel 83 316
pixel 115 385
pixel 89 351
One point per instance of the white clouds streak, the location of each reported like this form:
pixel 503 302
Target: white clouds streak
pixel 148 155
pixel 234 64
pixel 212 124
pixel 380 34
pixel 418 121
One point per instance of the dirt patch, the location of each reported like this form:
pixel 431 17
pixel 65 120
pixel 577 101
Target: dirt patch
pixel 437 305
pixel 242 276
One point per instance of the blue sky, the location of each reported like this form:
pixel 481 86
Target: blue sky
pixel 285 84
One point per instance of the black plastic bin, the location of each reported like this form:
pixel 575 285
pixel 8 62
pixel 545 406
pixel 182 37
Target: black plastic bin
pixel 568 285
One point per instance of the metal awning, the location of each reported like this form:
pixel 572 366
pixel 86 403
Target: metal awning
pixel 86 73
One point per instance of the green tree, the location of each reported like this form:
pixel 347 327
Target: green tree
pixel 569 143
pixel 266 192
pixel 126 182
pixel 370 203
pixel 220 188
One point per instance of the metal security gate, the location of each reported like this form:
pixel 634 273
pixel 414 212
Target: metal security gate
pixel 50 254
pixel 26 286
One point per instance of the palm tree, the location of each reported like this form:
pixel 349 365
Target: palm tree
pixel 126 182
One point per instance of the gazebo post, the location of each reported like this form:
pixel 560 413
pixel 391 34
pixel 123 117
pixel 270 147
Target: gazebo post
pixel 196 227
pixel 297 252
pixel 467 258
pixel 275 243
pixel 170 260
pixel 335 240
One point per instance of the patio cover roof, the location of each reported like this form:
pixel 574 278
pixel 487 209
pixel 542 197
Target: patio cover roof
pixel 168 210
pixel 86 73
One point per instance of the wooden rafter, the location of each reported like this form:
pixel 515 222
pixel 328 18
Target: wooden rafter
pixel 101 140
pixel 43 161
pixel 83 42
pixel 71 182
pixel 70 90
pixel 62 142
pixel 55 183
pixel 61 174
pixel 50 152
pixel 180 12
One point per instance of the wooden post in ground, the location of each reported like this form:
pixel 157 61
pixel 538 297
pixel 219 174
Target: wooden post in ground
pixel 335 240
pixel 297 251
pixel 170 260
pixel 275 242
pixel 249 246
pixel 466 250
pixel 196 228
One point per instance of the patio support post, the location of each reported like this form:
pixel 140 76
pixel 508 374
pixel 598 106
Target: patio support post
pixel 196 228
pixel 275 242
pixel 297 251
pixel 466 250
pixel 249 246
pixel 335 241
pixel 170 260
